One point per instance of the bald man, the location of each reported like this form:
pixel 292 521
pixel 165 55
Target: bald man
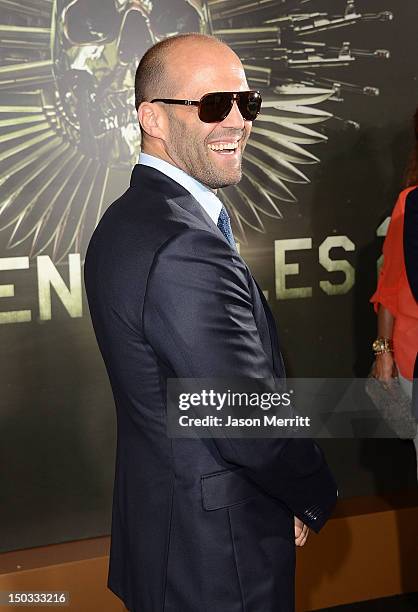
pixel 198 525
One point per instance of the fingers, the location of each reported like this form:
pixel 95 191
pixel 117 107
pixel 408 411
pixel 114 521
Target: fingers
pixel 300 541
pixel 298 527
pixel 301 532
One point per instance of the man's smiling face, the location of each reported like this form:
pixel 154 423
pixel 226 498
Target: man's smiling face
pixel 209 152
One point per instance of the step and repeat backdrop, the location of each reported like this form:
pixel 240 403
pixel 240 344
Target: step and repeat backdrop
pixel 321 174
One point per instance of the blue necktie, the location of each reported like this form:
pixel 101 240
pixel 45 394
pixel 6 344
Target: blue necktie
pixel 224 225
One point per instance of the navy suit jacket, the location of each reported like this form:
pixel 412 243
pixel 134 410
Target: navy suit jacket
pixel 410 241
pixel 197 524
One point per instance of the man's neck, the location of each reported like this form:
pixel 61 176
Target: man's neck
pixel 166 158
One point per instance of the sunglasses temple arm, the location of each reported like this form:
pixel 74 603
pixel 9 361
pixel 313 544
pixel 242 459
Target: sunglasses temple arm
pixel 182 102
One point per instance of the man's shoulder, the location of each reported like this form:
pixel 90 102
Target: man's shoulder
pixel 137 218
pixel 135 227
pixel 127 237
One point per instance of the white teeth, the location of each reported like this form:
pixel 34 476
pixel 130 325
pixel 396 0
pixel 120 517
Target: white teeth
pixel 221 146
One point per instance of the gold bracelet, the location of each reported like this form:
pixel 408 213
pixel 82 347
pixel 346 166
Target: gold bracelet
pixel 382 345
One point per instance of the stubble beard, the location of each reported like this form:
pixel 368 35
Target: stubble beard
pixel 192 155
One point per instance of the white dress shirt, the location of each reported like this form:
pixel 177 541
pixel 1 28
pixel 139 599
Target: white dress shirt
pixel 205 196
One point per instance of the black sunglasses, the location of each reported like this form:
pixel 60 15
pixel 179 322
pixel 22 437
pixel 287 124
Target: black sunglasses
pixel 214 107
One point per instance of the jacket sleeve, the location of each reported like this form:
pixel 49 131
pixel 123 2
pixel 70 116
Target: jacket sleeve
pixel 410 240
pixel 198 318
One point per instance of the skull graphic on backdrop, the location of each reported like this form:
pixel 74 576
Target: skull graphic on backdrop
pixel 96 48
pixel 68 126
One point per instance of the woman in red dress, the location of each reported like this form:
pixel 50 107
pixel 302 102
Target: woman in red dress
pixel 396 346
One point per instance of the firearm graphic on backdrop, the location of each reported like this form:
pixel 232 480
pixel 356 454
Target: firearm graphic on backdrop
pixel 68 127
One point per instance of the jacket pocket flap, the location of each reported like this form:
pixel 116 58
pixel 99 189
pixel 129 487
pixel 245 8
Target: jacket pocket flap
pixel 226 488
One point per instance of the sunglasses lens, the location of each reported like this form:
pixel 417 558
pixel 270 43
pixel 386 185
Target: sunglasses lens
pixel 215 107
pixel 249 103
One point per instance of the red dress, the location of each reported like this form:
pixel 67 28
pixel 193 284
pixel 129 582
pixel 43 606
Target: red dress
pixel 394 293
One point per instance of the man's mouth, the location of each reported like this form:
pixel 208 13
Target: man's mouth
pixel 224 148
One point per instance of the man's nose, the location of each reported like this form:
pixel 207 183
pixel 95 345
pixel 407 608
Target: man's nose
pixel 234 118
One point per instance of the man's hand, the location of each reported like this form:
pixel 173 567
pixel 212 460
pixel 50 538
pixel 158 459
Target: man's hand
pixel 301 532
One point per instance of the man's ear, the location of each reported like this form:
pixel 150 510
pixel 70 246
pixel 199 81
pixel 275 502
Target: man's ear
pixel 151 119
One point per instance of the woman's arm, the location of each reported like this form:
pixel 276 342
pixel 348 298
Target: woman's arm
pixel 384 367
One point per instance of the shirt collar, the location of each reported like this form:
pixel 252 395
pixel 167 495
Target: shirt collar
pixel 205 196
